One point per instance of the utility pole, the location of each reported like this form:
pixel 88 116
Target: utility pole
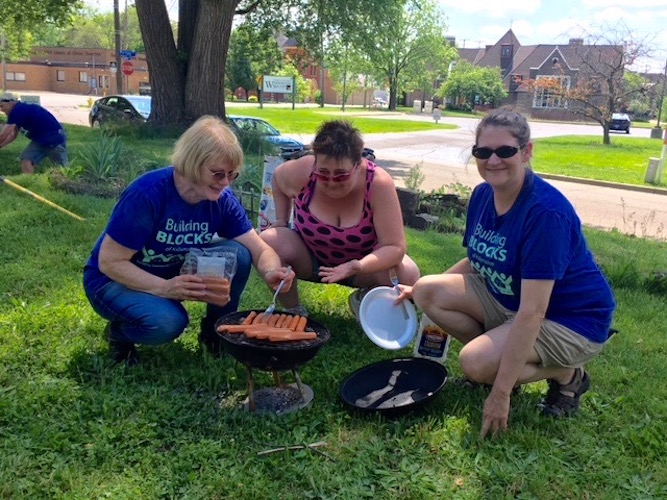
pixel 662 95
pixel 119 73
pixel 2 51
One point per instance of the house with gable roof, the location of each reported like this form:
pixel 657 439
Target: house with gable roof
pixel 564 64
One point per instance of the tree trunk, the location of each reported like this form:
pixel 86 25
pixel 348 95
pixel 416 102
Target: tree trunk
pixel 393 93
pixel 187 23
pixel 205 82
pixel 166 75
pixel 605 134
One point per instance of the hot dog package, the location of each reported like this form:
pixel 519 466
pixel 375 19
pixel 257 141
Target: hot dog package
pixel 214 263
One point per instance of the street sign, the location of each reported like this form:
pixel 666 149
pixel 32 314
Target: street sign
pixel 128 54
pixel 127 68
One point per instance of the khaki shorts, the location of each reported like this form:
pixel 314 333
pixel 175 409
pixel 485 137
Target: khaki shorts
pixel 556 345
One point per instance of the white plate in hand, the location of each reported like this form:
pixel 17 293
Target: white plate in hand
pixel 384 322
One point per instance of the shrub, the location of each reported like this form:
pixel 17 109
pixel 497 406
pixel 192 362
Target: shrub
pixel 252 98
pixel 415 178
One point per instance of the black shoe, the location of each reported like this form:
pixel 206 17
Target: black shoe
pixel 562 400
pixel 121 351
pixel 209 338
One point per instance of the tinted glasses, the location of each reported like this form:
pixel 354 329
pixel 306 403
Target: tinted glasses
pixel 501 152
pixel 222 175
pixel 340 177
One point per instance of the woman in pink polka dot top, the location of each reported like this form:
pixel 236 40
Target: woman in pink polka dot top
pixel 347 223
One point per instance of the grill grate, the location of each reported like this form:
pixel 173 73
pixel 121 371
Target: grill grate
pixel 280 400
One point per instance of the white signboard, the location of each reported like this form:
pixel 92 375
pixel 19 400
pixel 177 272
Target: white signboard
pixel 277 84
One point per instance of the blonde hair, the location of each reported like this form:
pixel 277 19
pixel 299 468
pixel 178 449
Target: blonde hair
pixel 208 141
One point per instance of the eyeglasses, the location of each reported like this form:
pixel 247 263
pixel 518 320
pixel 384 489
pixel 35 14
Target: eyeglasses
pixel 341 177
pixel 222 175
pixel 501 152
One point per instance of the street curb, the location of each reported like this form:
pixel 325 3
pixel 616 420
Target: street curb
pixel 593 182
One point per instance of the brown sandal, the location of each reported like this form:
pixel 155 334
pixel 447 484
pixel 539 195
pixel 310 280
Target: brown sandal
pixel 562 400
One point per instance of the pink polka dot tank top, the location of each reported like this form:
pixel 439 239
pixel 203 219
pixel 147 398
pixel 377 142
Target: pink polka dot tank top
pixel 333 245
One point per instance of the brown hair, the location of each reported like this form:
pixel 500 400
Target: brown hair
pixel 515 122
pixel 339 139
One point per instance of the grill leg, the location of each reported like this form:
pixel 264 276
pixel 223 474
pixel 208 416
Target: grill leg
pixel 250 382
pixel 299 384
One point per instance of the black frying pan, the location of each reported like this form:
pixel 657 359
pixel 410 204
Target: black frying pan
pixel 393 387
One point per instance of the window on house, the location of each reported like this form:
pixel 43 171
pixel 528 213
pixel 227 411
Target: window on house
pixel 14 76
pixel 60 75
pixel 506 51
pixel 83 77
pixel 548 91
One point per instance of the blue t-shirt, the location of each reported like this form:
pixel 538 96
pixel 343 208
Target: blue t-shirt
pixel 539 238
pixel 37 124
pixel 152 218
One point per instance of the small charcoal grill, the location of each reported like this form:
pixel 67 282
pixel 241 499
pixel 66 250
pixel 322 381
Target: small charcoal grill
pixel 273 357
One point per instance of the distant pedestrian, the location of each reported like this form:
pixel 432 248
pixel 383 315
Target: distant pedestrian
pixel 46 134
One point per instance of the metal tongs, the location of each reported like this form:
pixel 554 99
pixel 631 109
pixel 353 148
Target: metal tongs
pixel 393 277
pixel 272 306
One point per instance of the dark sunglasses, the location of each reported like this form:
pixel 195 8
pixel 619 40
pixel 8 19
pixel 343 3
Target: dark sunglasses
pixel 501 152
pixel 342 177
pixel 222 175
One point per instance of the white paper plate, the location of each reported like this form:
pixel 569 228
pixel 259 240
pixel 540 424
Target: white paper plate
pixel 384 322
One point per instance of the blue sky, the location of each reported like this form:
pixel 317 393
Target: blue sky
pixel 477 23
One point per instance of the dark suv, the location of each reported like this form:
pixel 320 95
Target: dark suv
pixel 620 122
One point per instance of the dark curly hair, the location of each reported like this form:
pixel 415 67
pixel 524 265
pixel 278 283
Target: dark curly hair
pixel 339 139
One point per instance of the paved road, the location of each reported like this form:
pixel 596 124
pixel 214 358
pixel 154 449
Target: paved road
pixel 444 159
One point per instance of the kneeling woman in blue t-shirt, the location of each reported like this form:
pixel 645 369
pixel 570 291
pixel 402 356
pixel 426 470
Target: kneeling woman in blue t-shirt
pixel 529 302
pixel 133 278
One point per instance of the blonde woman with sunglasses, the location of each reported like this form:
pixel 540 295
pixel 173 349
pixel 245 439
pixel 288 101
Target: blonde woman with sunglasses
pixel 529 302
pixel 347 223
pixel 133 276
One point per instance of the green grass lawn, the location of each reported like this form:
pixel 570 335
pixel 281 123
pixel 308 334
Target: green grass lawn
pixel 306 120
pixel 74 426
pixel 624 161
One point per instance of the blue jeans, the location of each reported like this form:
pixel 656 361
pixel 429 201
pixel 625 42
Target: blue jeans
pixel 143 318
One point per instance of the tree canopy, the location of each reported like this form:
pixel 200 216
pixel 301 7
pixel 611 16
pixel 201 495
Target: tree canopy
pixel 21 19
pixel 468 85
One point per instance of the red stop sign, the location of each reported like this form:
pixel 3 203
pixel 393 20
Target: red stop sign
pixel 127 68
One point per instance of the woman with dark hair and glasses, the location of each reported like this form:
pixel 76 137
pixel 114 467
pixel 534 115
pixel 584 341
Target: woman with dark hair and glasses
pixel 529 302
pixel 132 278
pixel 347 221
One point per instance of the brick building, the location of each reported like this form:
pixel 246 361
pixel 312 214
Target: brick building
pixel 562 63
pixel 74 71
